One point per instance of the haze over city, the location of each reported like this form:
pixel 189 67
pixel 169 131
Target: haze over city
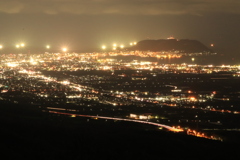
pixel 87 25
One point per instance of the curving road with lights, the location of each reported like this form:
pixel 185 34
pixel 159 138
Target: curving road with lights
pixel 122 119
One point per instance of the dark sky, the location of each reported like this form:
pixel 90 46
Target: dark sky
pixel 84 24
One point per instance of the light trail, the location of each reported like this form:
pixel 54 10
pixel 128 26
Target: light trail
pixel 122 119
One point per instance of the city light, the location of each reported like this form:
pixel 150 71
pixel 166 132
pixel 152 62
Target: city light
pixel 64 49
pixel 32 61
pixel 12 64
pixel 103 47
pixel 20 45
pixel 122 46
pixel 1 46
pixel 133 43
pixel 47 46
pixel 65 82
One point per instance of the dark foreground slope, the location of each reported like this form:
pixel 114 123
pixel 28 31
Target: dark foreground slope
pixel 27 133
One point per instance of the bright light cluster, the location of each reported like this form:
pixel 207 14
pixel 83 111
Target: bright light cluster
pixel 20 45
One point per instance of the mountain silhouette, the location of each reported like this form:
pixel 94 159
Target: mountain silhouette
pixel 183 45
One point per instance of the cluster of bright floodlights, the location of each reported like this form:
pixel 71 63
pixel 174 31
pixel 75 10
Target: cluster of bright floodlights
pixel 22 45
pixel 114 46
pixel 64 49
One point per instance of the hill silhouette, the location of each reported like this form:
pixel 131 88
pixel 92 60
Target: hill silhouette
pixel 183 45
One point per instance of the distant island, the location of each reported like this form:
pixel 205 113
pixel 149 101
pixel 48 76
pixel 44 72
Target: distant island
pixel 171 44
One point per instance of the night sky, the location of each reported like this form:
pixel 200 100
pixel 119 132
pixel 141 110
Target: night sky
pixel 84 25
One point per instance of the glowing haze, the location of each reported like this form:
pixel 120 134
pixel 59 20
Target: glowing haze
pixel 126 7
pixel 87 24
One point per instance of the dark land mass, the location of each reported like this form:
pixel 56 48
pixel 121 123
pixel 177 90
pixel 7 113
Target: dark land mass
pixel 184 45
pixel 27 132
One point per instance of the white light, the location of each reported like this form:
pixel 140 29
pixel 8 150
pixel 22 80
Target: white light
pixel 64 49
pixel 122 46
pixel 103 47
pixel 65 82
pixel 1 46
pixel 22 45
pixel 17 46
pixel 12 64
pixel 114 45
pixel 135 43
pixel 47 46
pixel 32 61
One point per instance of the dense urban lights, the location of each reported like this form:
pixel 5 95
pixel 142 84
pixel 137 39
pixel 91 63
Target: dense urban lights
pixel 151 81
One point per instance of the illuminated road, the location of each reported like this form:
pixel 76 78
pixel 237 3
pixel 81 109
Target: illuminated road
pixel 122 119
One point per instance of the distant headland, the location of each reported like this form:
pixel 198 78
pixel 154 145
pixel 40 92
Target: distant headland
pixel 172 44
